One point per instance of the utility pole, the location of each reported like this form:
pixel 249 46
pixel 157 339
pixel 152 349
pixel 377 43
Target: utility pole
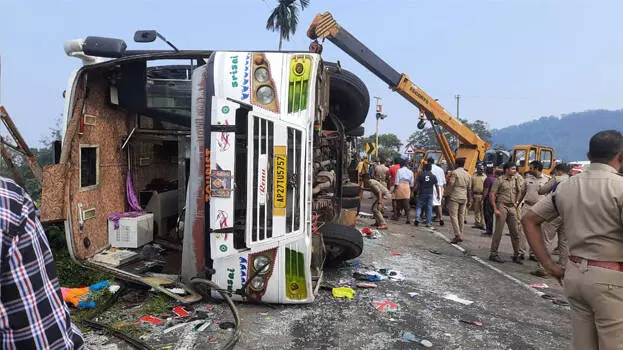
pixel 458 98
pixel 379 109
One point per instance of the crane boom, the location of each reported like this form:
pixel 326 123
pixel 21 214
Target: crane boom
pixel 471 146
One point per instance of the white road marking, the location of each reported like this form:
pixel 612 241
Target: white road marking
pixel 525 285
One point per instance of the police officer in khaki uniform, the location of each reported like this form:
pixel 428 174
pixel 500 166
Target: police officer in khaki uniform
pixel 380 193
pixel 478 186
pixel 529 197
pixel 591 207
pixel 504 197
pixel 460 185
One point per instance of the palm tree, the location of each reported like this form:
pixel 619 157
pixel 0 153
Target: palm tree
pixel 285 18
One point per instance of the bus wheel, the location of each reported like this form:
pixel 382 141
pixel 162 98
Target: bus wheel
pixel 341 242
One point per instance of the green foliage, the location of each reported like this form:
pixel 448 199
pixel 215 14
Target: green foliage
pixel 388 147
pixel 156 304
pixel 69 273
pixel 569 134
pixel 425 139
pixel 285 18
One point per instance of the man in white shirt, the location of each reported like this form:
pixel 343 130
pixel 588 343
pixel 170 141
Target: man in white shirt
pixel 403 188
pixel 441 181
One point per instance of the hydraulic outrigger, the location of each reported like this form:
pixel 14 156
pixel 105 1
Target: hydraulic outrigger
pixel 471 146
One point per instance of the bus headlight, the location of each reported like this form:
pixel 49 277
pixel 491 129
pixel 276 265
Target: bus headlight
pixel 265 94
pixel 261 265
pixel 257 283
pixel 261 74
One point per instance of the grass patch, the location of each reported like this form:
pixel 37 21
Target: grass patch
pixel 156 304
pixel 69 273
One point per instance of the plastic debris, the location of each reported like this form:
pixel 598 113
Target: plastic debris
pixel 343 292
pixel 453 297
pixel 370 276
pixel 392 274
pixel 204 326
pixel 178 291
pixel 366 285
pixel 413 294
pixel 395 254
pixel 385 305
pixel 227 325
pixel 114 288
pixel 539 285
pixel 434 251
pixel 151 319
pixel 180 312
pixel 476 323
pixel 409 337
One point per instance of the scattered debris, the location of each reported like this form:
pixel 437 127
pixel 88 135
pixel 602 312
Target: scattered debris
pixel 151 319
pixel 476 323
pixel 393 275
pixel 366 285
pixel 413 294
pixel 370 276
pixel 409 337
pixel 114 288
pixel 343 292
pixel 204 326
pixel 395 254
pixel 385 305
pixel 178 291
pixel 539 285
pixel 453 297
pixel 435 251
pixel 181 312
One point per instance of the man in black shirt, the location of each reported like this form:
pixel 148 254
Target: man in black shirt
pixel 426 182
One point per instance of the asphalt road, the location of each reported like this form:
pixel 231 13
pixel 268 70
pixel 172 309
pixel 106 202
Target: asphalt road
pixel 513 315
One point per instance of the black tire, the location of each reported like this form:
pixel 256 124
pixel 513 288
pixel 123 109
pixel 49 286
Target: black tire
pixel 341 242
pixel 350 203
pixel 351 190
pixel 348 97
pixel 357 132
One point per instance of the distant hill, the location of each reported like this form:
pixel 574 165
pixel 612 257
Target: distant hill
pixel 569 134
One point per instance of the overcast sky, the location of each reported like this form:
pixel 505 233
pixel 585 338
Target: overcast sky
pixel 511 61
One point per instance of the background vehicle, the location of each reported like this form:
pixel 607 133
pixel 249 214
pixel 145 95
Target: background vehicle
pixel 241 155
pixel 521 156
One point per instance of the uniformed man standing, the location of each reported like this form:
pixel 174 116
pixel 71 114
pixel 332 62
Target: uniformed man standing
pixel 504 198
pixel 478 186
pixel 460 185
pixel 529 197
pixel 380 193
pixel 554 227
pixel 380 173
pixel 591 207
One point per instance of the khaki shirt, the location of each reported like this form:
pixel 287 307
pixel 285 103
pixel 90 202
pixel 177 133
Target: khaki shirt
pixel 378 188
pixel 461 184
pixel 380 172
pixel 549 185
pixel 532 186
pixel 478 183
pixel 506 190
pixel 591 207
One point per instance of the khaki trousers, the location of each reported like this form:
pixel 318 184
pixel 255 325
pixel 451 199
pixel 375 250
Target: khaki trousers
pixel 596 298
pixel 508 216
pixel 457 215
pixel 378 213
pixel 477 206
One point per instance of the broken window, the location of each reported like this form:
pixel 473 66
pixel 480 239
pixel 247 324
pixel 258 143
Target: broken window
pixel 88 166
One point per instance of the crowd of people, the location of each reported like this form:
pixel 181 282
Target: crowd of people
pixel 584 212
pixel 498 198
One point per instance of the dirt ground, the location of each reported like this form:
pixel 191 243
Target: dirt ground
pixel 512 314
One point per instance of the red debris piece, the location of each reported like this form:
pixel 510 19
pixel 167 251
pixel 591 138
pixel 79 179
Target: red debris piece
pixel 385 304
pixel 151 319
pixel 395 254
pixel 181 312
